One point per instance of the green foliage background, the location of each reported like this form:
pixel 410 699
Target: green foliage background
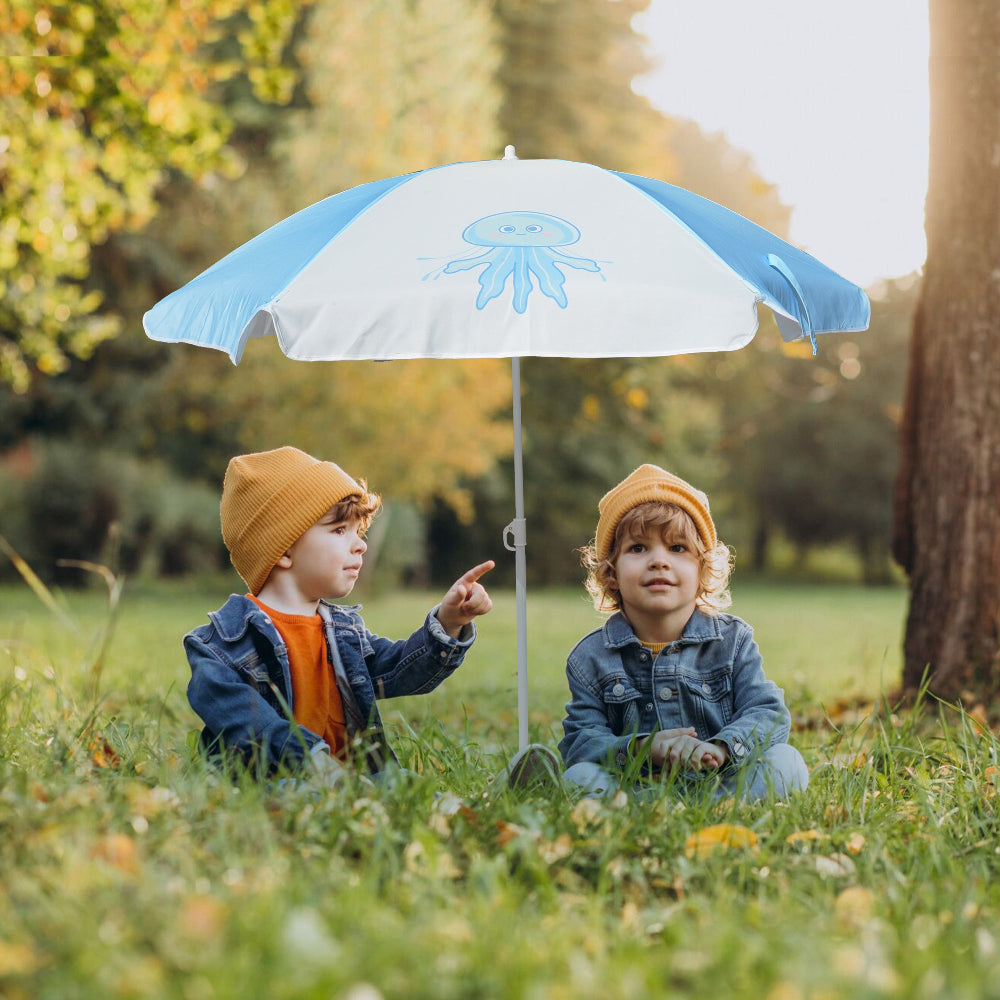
pixel 136 149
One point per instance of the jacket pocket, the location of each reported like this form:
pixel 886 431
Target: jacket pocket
pixel 621 703
pixel 711 698
pixel 253 671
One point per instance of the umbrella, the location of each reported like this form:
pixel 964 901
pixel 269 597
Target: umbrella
pixel 508 258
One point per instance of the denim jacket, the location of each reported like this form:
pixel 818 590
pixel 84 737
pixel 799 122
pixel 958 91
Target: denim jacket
pixel 710 678
pixel 241 683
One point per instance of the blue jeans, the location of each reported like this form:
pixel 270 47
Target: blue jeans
pixel 779 770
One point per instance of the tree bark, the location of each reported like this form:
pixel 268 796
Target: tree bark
pixel 947 503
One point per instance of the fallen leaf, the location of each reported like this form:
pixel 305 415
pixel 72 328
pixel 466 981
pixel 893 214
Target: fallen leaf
pixel 506 832
pixel 556 850
pixel 585 812
pixel 803 836
pixel 448 805
pixel 834 865
pixel 150 801
pixel 440 824
pixel 849 761
pixel 722 835
pixel 102 753
pixel 855 843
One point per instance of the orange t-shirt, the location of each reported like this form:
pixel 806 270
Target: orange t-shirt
pixel 316 701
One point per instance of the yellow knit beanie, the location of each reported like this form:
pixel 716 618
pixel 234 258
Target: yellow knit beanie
pixel 269 500
pixel 651 483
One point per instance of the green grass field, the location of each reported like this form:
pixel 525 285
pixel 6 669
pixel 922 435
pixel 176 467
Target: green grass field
pixel 129 870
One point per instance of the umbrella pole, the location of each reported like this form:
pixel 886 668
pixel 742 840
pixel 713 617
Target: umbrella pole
pixel 516 531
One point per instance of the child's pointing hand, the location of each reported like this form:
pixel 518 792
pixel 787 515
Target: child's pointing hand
pixel 465 600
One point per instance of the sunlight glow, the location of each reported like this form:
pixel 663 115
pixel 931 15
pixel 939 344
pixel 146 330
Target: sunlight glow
pixel 830 100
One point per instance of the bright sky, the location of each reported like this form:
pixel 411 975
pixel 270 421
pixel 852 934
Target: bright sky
pixel 830 99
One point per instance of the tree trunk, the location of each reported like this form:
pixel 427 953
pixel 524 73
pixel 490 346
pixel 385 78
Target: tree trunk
pixel 947 505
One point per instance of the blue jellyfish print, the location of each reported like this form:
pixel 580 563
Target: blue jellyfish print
pixel 519 245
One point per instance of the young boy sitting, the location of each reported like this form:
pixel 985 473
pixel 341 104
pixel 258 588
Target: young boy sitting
pixel 670 680
pixel 281 676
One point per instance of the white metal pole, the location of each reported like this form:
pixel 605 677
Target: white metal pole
pixel 516 532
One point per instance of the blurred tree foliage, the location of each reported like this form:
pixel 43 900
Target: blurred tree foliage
pixel 809 445
pixel 98 101
pixel 357 107
pixel 138 146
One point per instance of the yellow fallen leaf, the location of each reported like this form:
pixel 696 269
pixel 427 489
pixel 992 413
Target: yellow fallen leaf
pixel 802 836
pixel 585 812
pixel 722 835
pixel 855 843
pixel 849 761
pixel 102 753
pixel 556 850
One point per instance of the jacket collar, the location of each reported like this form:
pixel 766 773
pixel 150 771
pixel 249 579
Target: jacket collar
pixel 233 619
pixel 700 628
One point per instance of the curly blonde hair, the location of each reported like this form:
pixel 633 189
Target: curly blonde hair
pixel 674 525
pixel 360 507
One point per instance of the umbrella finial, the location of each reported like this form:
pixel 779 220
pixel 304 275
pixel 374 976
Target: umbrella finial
pixel 508 153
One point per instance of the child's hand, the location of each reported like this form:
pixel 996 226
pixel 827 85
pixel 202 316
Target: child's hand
pixel 467 599
pixel 681 748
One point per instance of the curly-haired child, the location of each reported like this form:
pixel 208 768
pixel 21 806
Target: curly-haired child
pixel 670 683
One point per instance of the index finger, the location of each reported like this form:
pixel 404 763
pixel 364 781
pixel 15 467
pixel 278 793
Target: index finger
pixel 470 576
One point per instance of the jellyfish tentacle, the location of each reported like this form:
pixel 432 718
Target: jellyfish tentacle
pixel 493 280
pixel 467 263
pixel 550 278
pixel 522 278
pixel 580 263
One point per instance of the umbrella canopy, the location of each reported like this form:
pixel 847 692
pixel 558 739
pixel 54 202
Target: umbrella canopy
pixel 508 258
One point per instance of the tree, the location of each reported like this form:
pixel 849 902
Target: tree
pixel 810 443
pixel 947 515
pixel 97 101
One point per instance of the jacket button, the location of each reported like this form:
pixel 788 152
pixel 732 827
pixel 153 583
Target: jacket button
pixel 666 694
pixel 706 687
pixel 643 656
pixel 649 706
pixel 618 690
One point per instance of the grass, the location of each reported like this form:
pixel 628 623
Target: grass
pixel 128 870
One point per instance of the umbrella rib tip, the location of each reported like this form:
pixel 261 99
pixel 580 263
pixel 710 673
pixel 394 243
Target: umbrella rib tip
pixel 508 153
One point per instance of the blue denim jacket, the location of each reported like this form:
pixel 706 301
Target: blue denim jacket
pixel 241 684
pixel 710 678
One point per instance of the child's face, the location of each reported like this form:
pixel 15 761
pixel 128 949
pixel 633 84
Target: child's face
pixel 326 560
pixel 658 576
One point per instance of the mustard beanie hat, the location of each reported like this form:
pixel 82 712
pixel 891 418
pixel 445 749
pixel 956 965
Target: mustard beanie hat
pixel 269 500
pixel 651 483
